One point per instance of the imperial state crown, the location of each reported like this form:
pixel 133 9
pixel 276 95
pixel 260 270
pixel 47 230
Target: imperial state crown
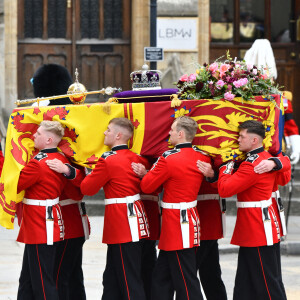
pixel 145 79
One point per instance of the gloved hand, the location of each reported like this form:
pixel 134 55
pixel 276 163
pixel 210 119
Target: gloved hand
pixel 229 167
pixel 294 141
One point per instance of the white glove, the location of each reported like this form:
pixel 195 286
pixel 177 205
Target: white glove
pixel 229 167
pixel 295 148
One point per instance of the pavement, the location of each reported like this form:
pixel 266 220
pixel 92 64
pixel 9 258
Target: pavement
pixel 94 257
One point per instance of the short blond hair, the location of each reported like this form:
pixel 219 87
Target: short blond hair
pixel 188 125
pixel 54 127
pixel 123 123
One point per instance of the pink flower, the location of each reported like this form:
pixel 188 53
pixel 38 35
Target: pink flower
pixel 254 72
pixel 184 77
pixel 249 67
pixel 213 67
pixel 229 96
pixel 192 77
pixel 224 68
pixel 264 76
pixel 229 87
pixel 240 82
pixel 220 84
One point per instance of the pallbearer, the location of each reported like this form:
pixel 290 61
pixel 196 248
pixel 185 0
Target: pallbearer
pixel 177 171
pixel 125 221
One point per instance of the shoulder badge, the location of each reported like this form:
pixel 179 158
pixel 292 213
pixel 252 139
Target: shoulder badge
pixel 200 151
pixel 252 158
pixel 40 156
pixel 170 152
pixel 108 153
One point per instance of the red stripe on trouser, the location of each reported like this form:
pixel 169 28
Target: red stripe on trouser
pixel 262 268
pixel 124 272
pixel 62 257
pixel 37 253
pixel 187 293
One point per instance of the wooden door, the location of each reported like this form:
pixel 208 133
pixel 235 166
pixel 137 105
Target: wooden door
pixel 91 35
pixel 236 24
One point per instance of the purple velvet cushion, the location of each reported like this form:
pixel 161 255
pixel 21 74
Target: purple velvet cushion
pixel 145 96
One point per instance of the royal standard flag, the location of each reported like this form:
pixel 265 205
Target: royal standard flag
pixel 85 124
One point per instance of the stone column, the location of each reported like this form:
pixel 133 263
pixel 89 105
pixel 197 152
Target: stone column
pixel 204 28
pixel 10 57
pixel 140 32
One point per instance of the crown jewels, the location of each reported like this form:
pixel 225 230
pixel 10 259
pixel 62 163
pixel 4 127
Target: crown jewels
pixel 145 80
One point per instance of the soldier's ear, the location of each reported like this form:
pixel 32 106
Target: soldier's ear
pixel 180 133
pixel 118 135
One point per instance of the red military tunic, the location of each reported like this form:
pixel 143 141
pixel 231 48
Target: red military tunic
pixel 151 205
pixel 177 171
pixel 249 186
pixel 114 173
pixel 290 126
pixel 210 213
pixel 41 183
pixel 71 212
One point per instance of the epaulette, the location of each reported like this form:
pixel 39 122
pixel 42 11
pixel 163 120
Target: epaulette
pixel 198 150
pixel 108 153
pixel 252 158
pixel 40 156
pixel 170 152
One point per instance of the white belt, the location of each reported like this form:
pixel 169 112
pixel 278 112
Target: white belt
pixel 276 195
pixel 46 202
pixel 181 205
pixel 68 202
pixel 131 215
pixel 149 197
pixel 128 199
pixel 263 204
pixel 184 219
pixel 208 197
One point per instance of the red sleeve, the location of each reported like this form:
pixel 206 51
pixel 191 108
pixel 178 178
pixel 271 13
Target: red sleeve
pixel 155 177
pixel 283 178
pixel 93 182
pixel 284 161
pixel 29 175
pixel 232 184
pixel 72 187
pixel 290 126
pixel 77 175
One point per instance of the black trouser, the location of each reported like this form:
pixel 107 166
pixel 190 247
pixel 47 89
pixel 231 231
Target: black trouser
pixel 68 269
pixel 176 271
pixel 258 274
pixel 149 258
pixel 210 271
pixel 36 280
pixel 122 275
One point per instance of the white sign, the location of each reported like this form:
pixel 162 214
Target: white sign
pixel 177 34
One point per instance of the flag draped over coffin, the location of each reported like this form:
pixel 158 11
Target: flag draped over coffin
pixel 218 123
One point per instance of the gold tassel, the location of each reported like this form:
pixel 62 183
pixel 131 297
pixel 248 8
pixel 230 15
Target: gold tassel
pixel 107 105
pixel 175 101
